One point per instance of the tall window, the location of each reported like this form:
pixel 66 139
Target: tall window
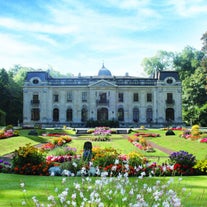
pixel 55 98
pixel 149 97
pixel 169 98
pixel 103 97
pixel 69 115
pixel 120 114
pixel 135 114
pixel 55 114
pixel 35 114
pixel 136 97
pixel 169 114
pixel 149 115
pixel 84 96
pixel 121 97
pixel 84 114
pixel 69 96
pixel 35 99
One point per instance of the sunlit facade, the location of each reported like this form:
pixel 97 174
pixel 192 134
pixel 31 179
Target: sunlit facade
pixel 73 101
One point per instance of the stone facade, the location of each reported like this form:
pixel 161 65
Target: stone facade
pixel 132 101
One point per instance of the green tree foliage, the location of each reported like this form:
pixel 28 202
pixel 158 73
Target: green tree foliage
pixel 195 98
pixel 187 61
pixel 11 94
pixel 11 97
pixel 191 65
pixel 163 60
pixel 204 42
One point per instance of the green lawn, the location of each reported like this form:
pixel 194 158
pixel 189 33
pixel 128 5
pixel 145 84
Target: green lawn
pixel 40 186
pixel 11 195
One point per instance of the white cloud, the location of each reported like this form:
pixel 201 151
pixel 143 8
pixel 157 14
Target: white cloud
pixel 19 25
pixel 189 8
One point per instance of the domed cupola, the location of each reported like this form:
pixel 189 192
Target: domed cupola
pixel 104 71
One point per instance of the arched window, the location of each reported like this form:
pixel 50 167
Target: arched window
pixel 135 114
pixel 169 114
pixel 120 114
pixel 69 115
pixel 84 114
pixel 55 114
pixel 102 114
pixel 149 115
pixel 35 114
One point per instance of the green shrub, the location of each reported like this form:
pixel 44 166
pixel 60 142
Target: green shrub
pixel 73 166
pixel 201 166
pixel 30 160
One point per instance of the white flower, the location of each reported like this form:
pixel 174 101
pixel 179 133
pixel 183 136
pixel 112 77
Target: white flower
pixel 114 167
pixel 124 199
pixel 51 198
pixel 24 203
pixel 22 185
pixel 63 180
pixel 100 205
pixel 74 164
pixel 131 192
pixel 149 189
pixel 116 162
pixel 73 196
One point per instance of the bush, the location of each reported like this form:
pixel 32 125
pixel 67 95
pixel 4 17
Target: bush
pixel 169 132
pixel 183 162
pixel 135 159
pixel 201 166
pixel 183 158
pixel 30 161
pixel 104 157
pixel 5 166
pixel 73 166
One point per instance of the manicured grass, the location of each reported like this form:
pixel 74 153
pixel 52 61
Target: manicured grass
pixel 11 195
pixel 177 143
pixel 40 186
pixel 10 144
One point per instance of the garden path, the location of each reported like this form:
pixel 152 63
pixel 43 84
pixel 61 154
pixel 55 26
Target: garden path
pixel 163 149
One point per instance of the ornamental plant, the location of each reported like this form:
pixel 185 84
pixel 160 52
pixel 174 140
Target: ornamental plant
pixel 104 157
pixel 117 191
pixel 30 160
pixel 204 140
pixel 201 167
pixel 102 133
pixel 135 159
pixel 5 166
pixel 183 162
pixel 195 132
pixel 183 158
pixel 60 141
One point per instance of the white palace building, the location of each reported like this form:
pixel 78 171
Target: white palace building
pixel 128 100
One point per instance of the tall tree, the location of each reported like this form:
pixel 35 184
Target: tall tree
pixel 187 61
pixel 163 60
pixel 4 89
pixel 194 97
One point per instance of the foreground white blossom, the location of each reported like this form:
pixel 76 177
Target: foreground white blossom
pixel 106 191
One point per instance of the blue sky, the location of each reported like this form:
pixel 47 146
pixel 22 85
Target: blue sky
pixel 77 36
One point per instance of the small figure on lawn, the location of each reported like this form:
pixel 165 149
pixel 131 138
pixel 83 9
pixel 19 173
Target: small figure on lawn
pixel 87 151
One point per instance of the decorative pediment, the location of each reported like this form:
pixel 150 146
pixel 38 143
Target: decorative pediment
pixel 102 83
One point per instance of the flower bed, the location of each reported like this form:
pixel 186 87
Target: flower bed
pixel 101 134
pixel 8 133
pixel 140 142
pixel 204 140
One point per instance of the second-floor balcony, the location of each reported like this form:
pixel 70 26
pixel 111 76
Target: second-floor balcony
pixel 104 102
pixel 170 101
pixel 35 102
